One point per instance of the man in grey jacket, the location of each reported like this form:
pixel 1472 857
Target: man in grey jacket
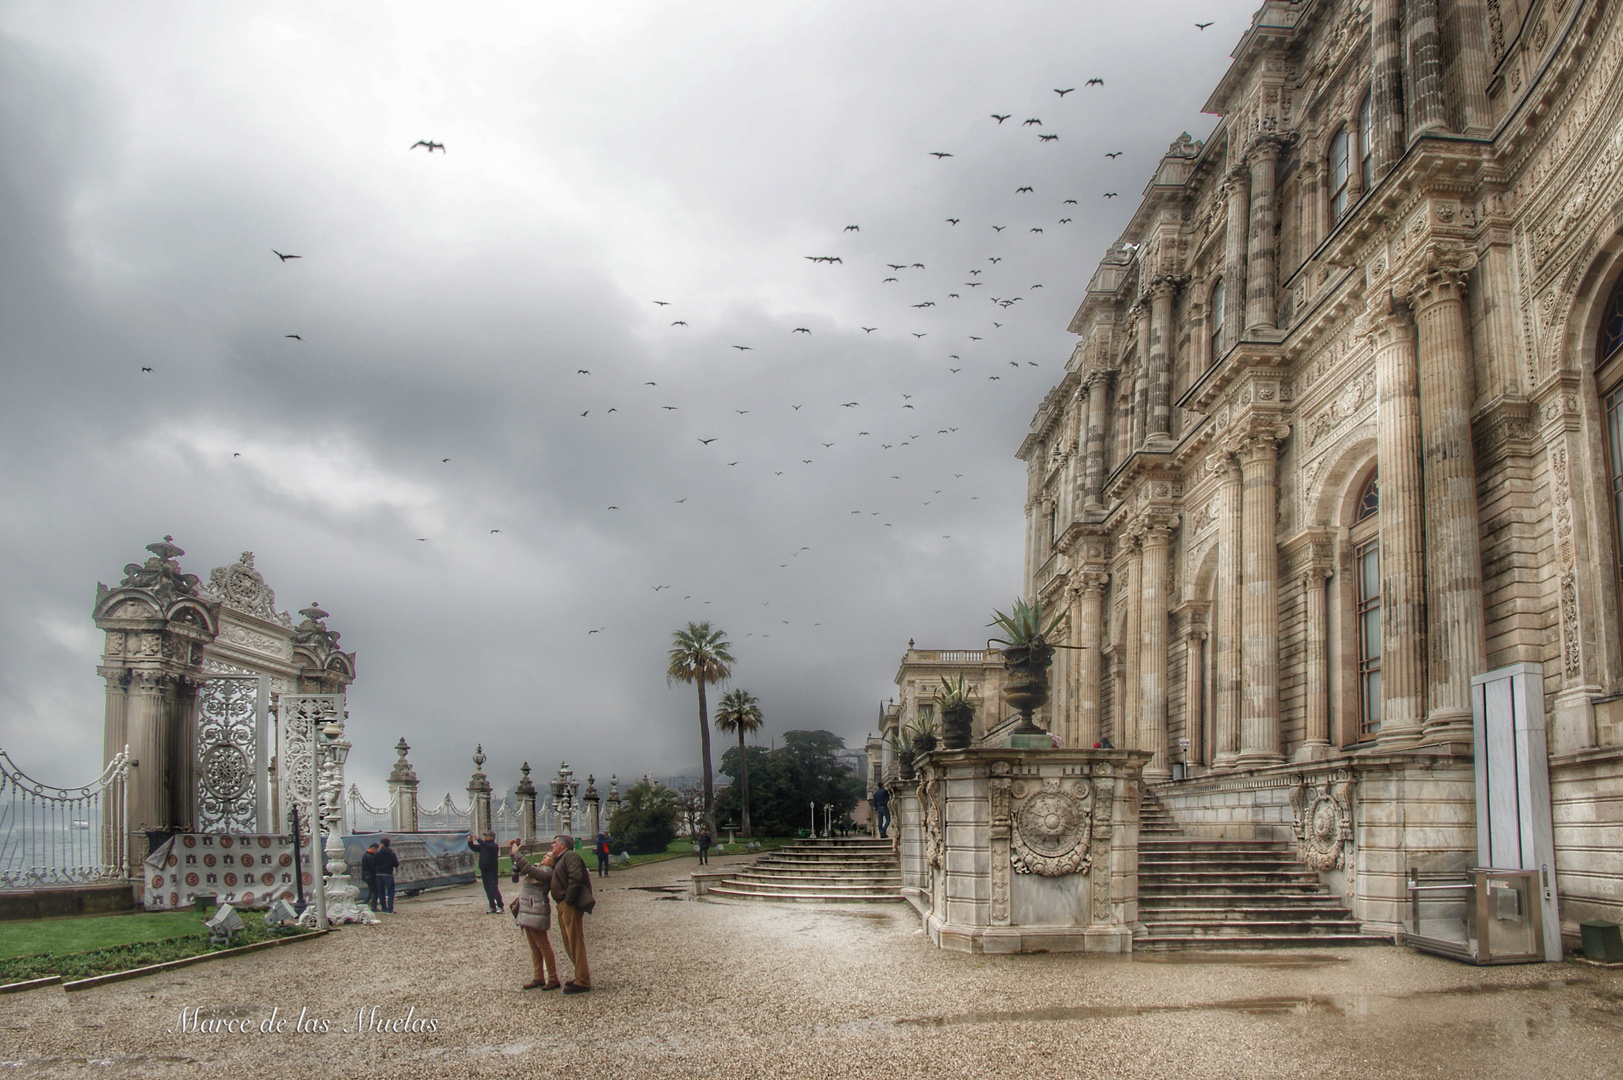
pixel 572 890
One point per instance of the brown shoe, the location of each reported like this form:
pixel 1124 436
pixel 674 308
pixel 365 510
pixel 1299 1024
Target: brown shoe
pixel 576 988
pixel 552 986
pixel 532 984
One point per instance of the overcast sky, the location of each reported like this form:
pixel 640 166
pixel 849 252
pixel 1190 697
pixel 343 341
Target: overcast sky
pixel 598 157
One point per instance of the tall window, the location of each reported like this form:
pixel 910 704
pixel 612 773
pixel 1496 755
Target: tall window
pixel 1609 369
pixel 1214 319
pixel 1366 124
pixel 1340 158
pixel 1367 561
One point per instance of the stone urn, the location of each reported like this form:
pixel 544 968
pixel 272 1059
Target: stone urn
pixel 1027 689
pixel 956 726
pixel 924 742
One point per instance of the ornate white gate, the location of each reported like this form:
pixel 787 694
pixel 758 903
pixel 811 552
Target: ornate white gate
pixel 233 795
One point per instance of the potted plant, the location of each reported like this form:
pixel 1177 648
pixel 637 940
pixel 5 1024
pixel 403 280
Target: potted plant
pixel 925 737
pixel 1026 656
pixel 901 742
pixel 957 711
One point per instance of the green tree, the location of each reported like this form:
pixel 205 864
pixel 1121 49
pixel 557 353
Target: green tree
pixel 741 712
pixel 699 655
pixel 785 782
pixel 645 824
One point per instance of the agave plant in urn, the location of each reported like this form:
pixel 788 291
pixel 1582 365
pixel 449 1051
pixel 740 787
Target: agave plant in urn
pixel 954 699
pixel 1026 656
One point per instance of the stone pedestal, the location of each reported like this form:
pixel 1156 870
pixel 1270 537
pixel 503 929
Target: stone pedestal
pixel 1024 850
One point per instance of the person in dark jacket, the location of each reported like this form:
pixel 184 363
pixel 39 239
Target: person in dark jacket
pixel 369 872
pixel 386 863
pixel 572 890
pixel 488 854
pixel 602 854
pixel 704 844
pixel 881 806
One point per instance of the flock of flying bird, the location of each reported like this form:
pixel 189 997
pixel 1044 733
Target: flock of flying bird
pixel 900 429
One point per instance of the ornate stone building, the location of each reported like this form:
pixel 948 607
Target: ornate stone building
pixel 1343 430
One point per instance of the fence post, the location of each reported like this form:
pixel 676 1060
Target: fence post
pixel 479 795
pixel 526 805
pixel 402 792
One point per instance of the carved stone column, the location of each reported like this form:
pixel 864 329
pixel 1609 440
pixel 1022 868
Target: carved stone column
pixel 403 791
pixel 1403 541
pixel 1162 291
pixel 1194 686
pixel 1230 601
pixel 1386 85
pixel 479 794
pixel 525 790
pixel 1259 720
pixel 1260 284
pixel 114 732
pixel 1098 390
pixel 1456 632
pixel 146 787
pixel 1141 377
pixel 1235 238
pixel 1316 736
pixel 1090 665
pixel 1427 110
pixel 1127 735
pixel 1152 663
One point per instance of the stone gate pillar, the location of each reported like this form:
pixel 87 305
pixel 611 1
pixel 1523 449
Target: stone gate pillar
pixel 479 795
pixel 402 792
pixel 526 805
pixel 157 623
pixel 590 798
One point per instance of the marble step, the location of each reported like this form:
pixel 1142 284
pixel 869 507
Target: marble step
pixel 742 893
pixel 1201 942
pixel 1226 902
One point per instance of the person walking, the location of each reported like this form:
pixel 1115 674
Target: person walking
pixel 572 890
pixel 881 806
pixel 386 864
pixel 532 910
pixel 704 845
pixel 369 873
pixel 602 854
pixel 488 854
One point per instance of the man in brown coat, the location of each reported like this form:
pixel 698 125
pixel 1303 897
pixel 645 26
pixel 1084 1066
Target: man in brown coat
pixel 572 889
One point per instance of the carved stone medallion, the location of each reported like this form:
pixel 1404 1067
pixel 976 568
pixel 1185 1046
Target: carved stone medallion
pixel 1051 829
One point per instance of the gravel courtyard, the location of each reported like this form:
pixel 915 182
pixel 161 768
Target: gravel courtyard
pixel 713 989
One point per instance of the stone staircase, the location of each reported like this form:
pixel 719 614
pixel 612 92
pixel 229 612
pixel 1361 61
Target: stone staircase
pixel 1232 894
pixel 841 870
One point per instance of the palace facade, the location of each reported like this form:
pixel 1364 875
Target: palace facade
pixel 1343 432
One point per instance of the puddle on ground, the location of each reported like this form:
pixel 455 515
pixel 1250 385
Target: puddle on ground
pixel 1300 1005
pixel 1273 963
pixel 657 888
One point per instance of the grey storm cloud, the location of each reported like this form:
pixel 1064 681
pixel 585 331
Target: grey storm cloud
pixel 597 159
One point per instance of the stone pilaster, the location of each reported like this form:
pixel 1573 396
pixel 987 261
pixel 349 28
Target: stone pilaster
pixel 1403 542
pixel 403 791
pixel 1427 110
pixel 525 791
pixel 1316 733
pixel 1156 544
pixel 1261 286
pixel 114 734
pixel 1090 664
pixel 1194 687
pixel 1455 632
pixel 1259 720
pixel 1127 737
pixel 479 794
pixel 147 791
pixel 1386 85
pixel 1162 291
pixel 1141 377
pixel 1235 238
pixel 1230 601
pixel 1098 391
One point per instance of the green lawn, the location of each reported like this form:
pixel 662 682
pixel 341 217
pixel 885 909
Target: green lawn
pixel 677 849
pixel 76 948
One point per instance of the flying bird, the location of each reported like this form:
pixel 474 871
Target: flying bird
pixel 146 369
pixel 663 303
pixel 1032 121
pixel 1062 93
pixel 865 330
pixel 897 266
pixel 668 408
pixel 800 330
pixel 740 412
pixel 850 404
pixel 918 335
pixel 918 266
pixel 493 532
pixel 1114 154
pixel 888 279
pixel 432 146
pixel 927 303
pixel 650 384
pixel 1047 138
pixel 1064 221
pixel 707 442
pixel 1036 230
pixel 599 630
pixel 1095 82
pixel 853 228
pixel 743 348
pixel 295 337
pixel 582 371
pixel 972 337
pixel 1001 118
pixel 1068 202
pixel 1110 194
pixel 614 508
pixel 1018 190
pixel 827 445
pixel 284 258
pixel 999 228
pixel 656 588
pixel 587 411
pixel 938 154
pixel 443 460
pixel 678 322
pixel 1202 25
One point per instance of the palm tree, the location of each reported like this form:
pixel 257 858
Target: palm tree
pixel 740 712
pixel 699 655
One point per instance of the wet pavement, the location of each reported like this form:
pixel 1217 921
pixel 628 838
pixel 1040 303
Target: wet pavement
pixel 708 988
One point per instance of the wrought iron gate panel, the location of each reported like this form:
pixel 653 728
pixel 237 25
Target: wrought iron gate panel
pixel 296 758
pixel 232 792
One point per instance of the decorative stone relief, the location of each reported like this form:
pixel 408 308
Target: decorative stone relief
pixel 1359 392
pixel 1103 808
pixel 243 588
pixel 935 844
pixel 999 843
pixel 1322 816
pixel 1050 825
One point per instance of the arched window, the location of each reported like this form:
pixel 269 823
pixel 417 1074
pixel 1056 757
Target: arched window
pixel 1366 550
pixel 1366 138
pixel 1214 320
pixel 1340 159
pixel 1609 373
